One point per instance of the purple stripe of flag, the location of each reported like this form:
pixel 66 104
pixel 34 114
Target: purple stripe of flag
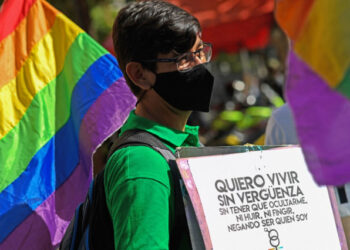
pixel 45 227
pixel 105 116
pixel 322 118
pixel 54 214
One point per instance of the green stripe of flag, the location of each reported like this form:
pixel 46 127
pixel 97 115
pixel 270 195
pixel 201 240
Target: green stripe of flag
pixel 344 86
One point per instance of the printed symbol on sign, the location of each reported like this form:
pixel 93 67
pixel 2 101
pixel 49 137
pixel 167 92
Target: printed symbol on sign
pixel 274 239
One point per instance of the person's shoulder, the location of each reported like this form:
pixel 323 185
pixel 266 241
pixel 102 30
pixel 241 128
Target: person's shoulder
pixel 281 128
pixel 134 162
pixel 282 113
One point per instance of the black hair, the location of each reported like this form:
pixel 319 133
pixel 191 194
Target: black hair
pixel 143 29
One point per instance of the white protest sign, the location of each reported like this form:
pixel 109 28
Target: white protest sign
pixel 261 200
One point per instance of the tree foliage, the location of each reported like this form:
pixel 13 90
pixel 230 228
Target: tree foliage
pixel 95 16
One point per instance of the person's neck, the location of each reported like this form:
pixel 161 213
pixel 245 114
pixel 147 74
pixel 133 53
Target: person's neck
pixel 163 114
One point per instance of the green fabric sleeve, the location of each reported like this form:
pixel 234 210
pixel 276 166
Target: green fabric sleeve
pixel 139 198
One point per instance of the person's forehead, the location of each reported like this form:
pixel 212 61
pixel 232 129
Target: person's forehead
pixel 173 53
pixel 195 46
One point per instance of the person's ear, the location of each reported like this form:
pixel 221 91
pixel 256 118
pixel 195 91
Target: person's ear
pixel 140 76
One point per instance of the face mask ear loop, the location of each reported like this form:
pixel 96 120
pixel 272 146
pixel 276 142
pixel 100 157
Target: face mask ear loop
pixel 140 97
pixel 144 92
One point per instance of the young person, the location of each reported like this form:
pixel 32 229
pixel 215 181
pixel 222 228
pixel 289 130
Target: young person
pixel 163 59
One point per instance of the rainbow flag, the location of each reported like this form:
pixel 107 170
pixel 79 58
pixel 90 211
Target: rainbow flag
pixel 61 95
pixel 318 83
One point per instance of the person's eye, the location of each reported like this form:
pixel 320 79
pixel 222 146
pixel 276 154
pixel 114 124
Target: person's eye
pixel 200 53
pixel 182 59
pixel 183 62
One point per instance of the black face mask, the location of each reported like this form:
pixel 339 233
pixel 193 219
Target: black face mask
pixel 189 90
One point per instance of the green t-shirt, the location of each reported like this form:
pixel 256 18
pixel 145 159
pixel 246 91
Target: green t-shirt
pixel 139 189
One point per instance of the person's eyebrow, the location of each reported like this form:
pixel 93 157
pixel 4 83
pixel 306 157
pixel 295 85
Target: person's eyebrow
pixel 175 54
pixel 199 44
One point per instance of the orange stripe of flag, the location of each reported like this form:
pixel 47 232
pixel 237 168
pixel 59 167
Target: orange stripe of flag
pixel 291 15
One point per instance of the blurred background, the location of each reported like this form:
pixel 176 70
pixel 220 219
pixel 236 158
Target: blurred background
pixel 249 52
